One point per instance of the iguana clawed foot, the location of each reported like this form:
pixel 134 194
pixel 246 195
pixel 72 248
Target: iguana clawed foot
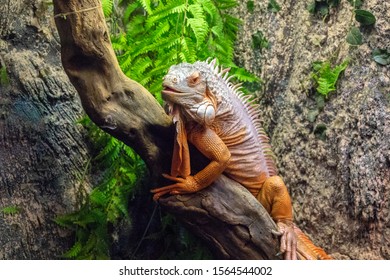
pixel 289 242
pixel 182 186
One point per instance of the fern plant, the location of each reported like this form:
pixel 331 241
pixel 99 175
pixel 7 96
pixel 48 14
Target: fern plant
pixel 175 31
pixel 326 77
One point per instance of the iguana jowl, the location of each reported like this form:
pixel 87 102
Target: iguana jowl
pixel 221 123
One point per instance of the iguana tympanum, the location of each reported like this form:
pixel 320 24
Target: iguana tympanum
pixel 221 123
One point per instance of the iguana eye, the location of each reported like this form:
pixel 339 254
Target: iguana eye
pixel 174 80
pixel 194 79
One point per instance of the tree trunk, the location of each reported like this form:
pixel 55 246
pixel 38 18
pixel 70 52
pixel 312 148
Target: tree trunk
pixel 127 111
pixel 42 149
pixel 334 157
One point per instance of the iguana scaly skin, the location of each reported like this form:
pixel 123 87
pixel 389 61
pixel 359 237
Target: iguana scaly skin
pixel 224 125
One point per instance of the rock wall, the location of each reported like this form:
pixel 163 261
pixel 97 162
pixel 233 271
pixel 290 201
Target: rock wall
pixel 333 155
pixel 42 150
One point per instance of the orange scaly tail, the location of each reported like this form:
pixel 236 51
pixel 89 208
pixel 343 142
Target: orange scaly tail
pixel 307 250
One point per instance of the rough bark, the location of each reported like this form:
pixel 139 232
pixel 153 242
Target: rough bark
pixel 128 111
pixel 230 220
pixel 339 179
pixel 42 150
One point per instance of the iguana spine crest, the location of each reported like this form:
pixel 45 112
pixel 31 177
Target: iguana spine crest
pixel 219 82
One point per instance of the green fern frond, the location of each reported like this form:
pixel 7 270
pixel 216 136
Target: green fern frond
pixel 164 11
pixel 143 64
pixel 326 77
pixel 125 61
pixel 209 7
pixel 188 51
pixel 166 43
pixel 198 23
pixel 224 51
pixel 119 43
pixel 74 252
pixel 161 29
pixel 243 75
pixel 110 152
pixel 146 4
pixel 168 58
pixel 107 6
pixel 98 197
pixel 231 26
pixel 130 9
pixel 217 29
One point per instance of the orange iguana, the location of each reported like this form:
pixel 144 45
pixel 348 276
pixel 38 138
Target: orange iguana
pixel 222 124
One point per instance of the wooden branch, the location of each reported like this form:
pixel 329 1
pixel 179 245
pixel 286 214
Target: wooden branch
pixel 117 104
pixel 229 218
pixel 225 214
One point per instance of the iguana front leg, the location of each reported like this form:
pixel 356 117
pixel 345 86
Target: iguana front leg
pixel 210 145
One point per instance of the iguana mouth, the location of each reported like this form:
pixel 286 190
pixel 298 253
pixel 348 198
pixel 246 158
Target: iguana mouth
pixel 168 90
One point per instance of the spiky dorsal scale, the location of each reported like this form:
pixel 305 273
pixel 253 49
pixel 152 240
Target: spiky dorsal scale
pixel 219 81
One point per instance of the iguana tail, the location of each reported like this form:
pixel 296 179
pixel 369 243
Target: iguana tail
pixel 307 250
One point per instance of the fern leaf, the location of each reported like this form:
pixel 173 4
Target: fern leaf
pixel 98 197
pixel 198 23
pixel 209 7
pixel 146 5
pixel 129 10
pixel 243 75
pixel 326 77
pixel 217 30
pixel 225 52
pixel 166 43
pixel 119 43
pixel 167 58
pixel 164 11
pixel 188 51
pixel 231 26
pixel 161 29
pixel 107 6
pixel 73 252
pixel 141 65
pixel 145 81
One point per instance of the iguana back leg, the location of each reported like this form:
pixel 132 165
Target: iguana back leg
pixel 275 198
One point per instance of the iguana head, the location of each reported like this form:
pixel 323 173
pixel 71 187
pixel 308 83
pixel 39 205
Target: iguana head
pixel 185 86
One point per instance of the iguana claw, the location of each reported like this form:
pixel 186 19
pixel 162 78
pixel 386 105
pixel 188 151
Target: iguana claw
pixel 182 186
pixel 288 240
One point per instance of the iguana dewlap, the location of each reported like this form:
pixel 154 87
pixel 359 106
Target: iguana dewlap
pixel 213 115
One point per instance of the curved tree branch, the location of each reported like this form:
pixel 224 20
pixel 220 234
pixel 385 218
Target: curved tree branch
pixel 226 215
